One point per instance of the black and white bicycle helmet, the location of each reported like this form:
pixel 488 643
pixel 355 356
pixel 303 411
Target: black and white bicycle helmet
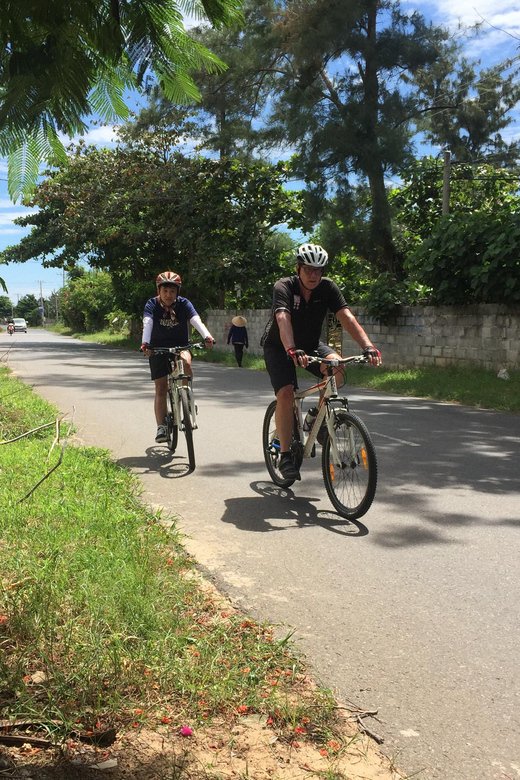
pixel 312 255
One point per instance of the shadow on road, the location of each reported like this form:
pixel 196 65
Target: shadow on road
pixel 158 460
pixel 278 509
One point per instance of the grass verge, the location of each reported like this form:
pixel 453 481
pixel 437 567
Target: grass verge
pixel 101 616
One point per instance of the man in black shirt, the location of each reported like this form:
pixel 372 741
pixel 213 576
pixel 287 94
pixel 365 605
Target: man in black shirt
pixel 300 304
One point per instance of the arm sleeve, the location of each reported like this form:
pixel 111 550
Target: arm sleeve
pixel 229 334
pixel 246 339
pixel 147 329
pixel 200 327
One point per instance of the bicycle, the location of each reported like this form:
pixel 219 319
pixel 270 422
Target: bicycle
pixel 349 463
pixel 181 412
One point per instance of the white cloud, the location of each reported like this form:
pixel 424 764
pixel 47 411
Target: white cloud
pixel 499 36
pixel 6 218
pixel 12 230
pixel 496 13
pixel 6 203
pixel 105 135
pixel 101 136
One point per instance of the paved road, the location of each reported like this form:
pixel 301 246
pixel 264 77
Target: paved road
pixel 414 610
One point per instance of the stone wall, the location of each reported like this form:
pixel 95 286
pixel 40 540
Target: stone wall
pixel 487 335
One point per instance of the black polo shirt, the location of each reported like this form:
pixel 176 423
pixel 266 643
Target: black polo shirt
pixel 307 317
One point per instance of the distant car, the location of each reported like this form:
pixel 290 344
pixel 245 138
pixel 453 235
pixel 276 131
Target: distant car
pixel 20 324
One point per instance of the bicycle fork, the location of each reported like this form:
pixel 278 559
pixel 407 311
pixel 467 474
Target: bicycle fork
pixel 192 408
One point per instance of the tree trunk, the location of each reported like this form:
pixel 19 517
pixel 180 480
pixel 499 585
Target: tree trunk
pixel 381 224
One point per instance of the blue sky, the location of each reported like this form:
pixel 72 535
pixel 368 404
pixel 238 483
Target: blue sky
pixel 499 39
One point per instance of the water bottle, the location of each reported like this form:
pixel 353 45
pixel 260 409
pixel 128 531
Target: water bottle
pixel 309 418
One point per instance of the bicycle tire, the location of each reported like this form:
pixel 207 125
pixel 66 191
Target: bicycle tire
pixel 186 423
pixel 271 448
pixel 351 487
pixel 172 429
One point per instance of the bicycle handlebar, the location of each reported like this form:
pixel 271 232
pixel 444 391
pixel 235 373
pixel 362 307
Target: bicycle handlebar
pixel 176 350
pixel 339 361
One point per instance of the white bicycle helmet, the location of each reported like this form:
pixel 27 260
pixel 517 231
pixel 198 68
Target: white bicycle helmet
pixel 312 255
pixel 168 277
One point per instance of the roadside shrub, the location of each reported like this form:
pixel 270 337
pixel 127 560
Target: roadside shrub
pixel 471 258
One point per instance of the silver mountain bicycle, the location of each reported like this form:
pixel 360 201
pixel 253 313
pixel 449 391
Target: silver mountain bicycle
pixel 348 460
pixel 181 412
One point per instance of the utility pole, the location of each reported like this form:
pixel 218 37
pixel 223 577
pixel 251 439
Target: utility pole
pixel 41 307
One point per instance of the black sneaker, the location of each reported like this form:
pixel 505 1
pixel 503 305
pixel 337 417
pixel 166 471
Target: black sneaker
pixel 287 468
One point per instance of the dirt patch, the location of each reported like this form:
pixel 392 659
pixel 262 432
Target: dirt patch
pixel 250 748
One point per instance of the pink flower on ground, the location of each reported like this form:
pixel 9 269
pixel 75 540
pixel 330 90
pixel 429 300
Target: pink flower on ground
pixel 186 731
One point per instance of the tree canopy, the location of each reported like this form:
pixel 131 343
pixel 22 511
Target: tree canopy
pixel 348 88
pixel 133 212
pixel 343 91
pixel 61 61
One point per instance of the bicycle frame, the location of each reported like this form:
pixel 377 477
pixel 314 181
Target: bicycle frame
pixel 348 457
pixel 176 379
pixel 328 390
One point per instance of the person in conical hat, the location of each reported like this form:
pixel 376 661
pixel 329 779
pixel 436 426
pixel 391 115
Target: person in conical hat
pixel 238 337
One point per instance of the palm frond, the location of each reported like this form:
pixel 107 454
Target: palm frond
pixel 23 165
pixel 106 98
pixel 56 147
pixel 61 60
pixel 178 87
pixel 218 12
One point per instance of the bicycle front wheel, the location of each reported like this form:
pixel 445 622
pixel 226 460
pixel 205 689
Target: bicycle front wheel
pixel 186 423
pixel 271 448
pixel 350 483
pixel 172 430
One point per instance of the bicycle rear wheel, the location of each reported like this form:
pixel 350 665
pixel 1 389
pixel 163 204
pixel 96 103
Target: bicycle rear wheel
pixel 172 430
pixel 186 424
pixel 271 447
pixel 351 483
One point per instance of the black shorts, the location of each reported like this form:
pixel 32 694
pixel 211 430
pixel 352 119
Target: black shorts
pixel 160 366
pixel 282 370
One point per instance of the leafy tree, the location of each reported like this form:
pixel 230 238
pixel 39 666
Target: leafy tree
pixel 417 203
pixel 60 61
pixel 86 301
pixel 27 307
pixel 472 255
pixel 466 109
pixel 232 100
pixel 133 213
pixel 471 258
pixel 338 76
pixel 52 305
pixel 6 307
pixel 347 106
